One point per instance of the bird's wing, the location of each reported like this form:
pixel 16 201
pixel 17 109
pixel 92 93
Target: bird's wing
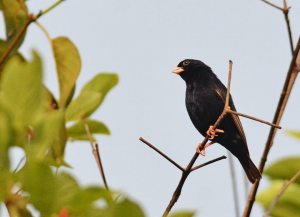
pixel 235 118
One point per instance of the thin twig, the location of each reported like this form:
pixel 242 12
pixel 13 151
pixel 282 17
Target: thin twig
pixel 284 187
pixel 275 6
pixel 287 88
pixel 234 185
pixel 45 31
pixel 208 162
pixel 253 118
pixel 286 11
pixel 31 18
pixel 19 164
pixel 16 40
pixel 162 154
pixel 97 156
pixel 51 7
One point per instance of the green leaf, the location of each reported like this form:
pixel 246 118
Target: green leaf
pixel 86 197
pixel 293 133
pixel 67 190
pixel 68 65
pixel 127 208
pixel 82 106
pixel 15 16
pixel 101 83
pixel 288 203
pixel 49 101
pixel 183 214
pixel 2 46
pixel 92 212
pixel 37 179
pixel 45 134
pixel 58 148
pixel 5 138
pixel 4 179
pixel 22 89
pixel 284 169
pixel 77 130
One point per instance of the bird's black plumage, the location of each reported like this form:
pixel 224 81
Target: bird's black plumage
pixel 205 99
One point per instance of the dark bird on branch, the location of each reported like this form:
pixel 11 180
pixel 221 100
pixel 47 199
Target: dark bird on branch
pixel 205 101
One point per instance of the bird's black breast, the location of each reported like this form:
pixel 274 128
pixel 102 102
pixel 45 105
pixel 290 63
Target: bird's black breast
pixel 202 106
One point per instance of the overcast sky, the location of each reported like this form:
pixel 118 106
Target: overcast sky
pixel 143 41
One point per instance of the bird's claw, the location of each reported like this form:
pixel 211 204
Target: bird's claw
pixel 199 151
pixel 203 152
pixel 212 133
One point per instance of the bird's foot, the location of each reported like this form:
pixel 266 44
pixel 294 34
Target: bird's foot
pixel 203 152
pixel 212 133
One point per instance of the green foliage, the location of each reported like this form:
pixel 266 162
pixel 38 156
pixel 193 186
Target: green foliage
pixel 68 65
pixel 15 15
pixel 32 119
pixel 182 214
pixel 77 130
pixel 287 205
pixel 284 169
pixel 293 133
pixel 289 202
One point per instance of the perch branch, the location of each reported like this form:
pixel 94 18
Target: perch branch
pixel 97 156
pixel 287 88
pixel 162 154
pixel 31 18
pixel 284 187
pixel 208 162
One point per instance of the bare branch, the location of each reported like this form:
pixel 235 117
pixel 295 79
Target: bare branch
pixel 253 118
pixel 97 156
pixel 284 187
pixel 208 162
pixel 275 6
pixel 228 85
pixel 287 88
pixel 162 154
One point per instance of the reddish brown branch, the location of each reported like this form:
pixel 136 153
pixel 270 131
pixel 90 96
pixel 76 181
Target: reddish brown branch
pixel 162 154
pixel 285 10
pixel 287 88
pixel 208 162
pixel 4 57
pixel 253 118
pixel 97 156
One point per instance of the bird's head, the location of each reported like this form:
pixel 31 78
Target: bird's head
pixel 189 68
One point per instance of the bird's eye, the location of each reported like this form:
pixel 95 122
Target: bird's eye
pixel 185 63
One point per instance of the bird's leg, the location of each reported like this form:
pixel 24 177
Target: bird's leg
pixel 212 133
pixel 203 150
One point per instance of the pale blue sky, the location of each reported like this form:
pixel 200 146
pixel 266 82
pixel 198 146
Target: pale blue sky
pixel 143 41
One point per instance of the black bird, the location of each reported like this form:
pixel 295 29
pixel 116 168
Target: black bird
pixel 205 100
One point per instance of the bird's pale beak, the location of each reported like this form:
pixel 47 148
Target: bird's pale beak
pixel 178 70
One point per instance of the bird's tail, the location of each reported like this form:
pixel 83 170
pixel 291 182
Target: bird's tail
pixel 251 170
